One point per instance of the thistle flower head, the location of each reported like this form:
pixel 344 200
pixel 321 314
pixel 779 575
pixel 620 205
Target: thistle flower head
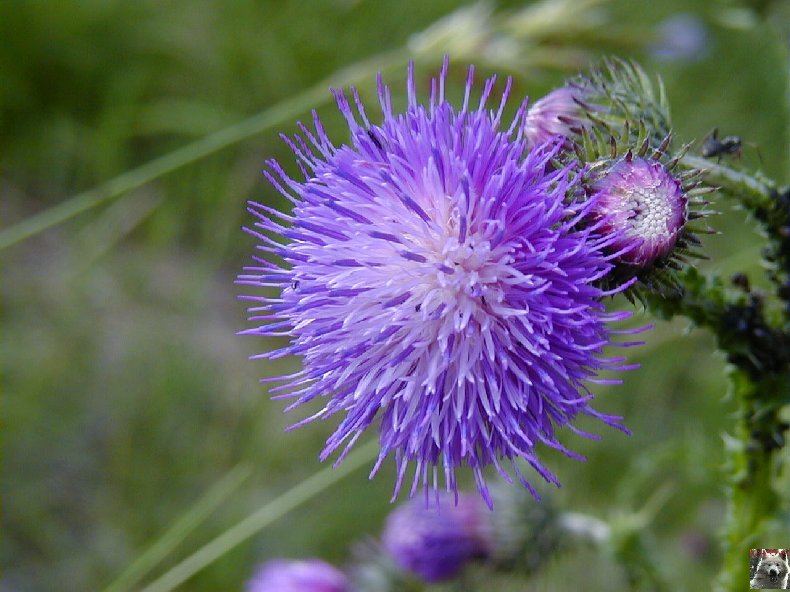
pixel 650 205
pixel 644 205
pixel 308 575
pixel 437 542
pixel 437 279
pixel 558 113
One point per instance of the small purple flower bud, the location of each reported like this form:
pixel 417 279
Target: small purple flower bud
pixel 554 114
pixel 307 575
pixel 644 205
pixel 437 542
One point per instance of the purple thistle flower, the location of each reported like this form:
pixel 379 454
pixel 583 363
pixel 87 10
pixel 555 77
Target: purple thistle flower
pixel 645 206
pixel 557 113
pixel 437 278
pixel 307 575
pixel 437 542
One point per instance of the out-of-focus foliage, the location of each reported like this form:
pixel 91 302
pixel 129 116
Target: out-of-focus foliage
pixel 126 392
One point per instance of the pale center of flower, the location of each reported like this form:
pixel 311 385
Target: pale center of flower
pixel 463 279
pixel 648 207
pixel 650 210
pixel 463 266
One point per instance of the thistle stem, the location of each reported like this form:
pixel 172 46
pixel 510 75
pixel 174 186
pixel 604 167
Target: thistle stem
pixel 759 355
pixel 753 192
pixel 753 461
pixel 758 349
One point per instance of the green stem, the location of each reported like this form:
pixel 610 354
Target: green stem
pixel 264 516
pixel 770 206
pixel 277 115
pixel 754 458
pixel 759 354
pixel 753 192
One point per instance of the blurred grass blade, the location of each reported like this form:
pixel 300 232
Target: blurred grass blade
pixel 280 113
pixel 261 518
pixel 154 555
pixel 159 167
pixel 115 223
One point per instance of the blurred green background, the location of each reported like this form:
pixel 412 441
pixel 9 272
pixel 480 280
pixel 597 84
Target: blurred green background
pixel 126 392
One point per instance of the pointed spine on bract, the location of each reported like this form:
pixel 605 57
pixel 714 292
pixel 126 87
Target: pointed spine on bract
pixel 619 95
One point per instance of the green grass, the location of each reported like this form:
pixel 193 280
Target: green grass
pixel 126 393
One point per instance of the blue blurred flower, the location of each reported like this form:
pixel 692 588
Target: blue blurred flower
pixel 437 542
pixel 682 36
pixel 438 276
pixel 308 575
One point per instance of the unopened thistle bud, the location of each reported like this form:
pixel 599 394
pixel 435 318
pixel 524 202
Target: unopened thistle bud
pixel 561 112
pixel 437 542
pixel 616 100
